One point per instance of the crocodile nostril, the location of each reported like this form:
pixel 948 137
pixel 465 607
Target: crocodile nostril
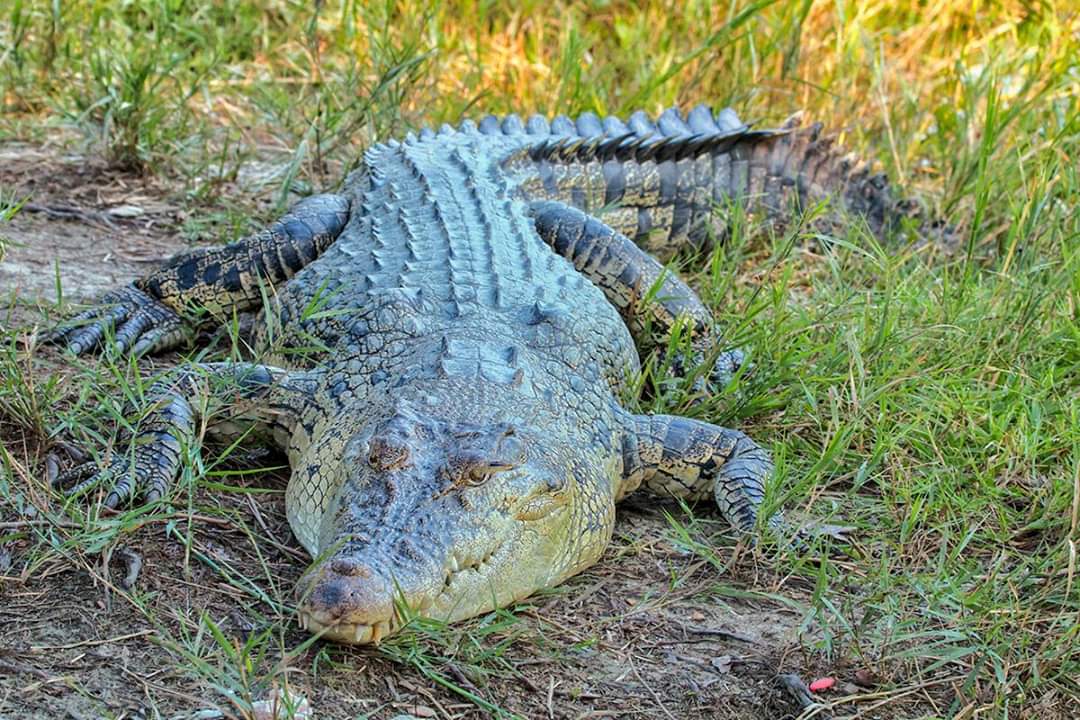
pixel 349 568
pixel 349 591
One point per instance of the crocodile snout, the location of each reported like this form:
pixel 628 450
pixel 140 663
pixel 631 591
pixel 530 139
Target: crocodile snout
pixel 347 601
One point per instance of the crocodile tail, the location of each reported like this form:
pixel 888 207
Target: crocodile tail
pixel 817 168
pixel 661 181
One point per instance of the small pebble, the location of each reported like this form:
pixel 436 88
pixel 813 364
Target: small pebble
pixel 865 678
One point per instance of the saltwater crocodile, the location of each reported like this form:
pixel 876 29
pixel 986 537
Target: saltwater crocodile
pixel 450 335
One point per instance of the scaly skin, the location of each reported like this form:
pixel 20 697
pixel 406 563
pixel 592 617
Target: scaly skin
pixel 453 332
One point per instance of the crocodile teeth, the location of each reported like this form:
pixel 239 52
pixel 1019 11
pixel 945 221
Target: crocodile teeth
pixel 347 632
pixel 454 564
pixel 379 631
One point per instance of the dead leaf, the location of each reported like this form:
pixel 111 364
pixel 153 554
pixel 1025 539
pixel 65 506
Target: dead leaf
pixel 865 677
pixel 722 663
pixel 282 706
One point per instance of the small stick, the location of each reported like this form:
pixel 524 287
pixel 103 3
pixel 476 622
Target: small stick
pixel 86 643
pixel 648 687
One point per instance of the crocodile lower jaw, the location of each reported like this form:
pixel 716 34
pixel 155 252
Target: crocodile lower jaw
pixel 345 632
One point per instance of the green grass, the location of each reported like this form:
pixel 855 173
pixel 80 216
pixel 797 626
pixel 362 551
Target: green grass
pixel 930 399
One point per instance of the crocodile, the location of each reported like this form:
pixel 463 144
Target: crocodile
pixel 443 344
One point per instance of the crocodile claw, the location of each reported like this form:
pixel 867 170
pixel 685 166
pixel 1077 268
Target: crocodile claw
pixel 142 322
pixel 727 364
pixel 724 368
pixel 149 470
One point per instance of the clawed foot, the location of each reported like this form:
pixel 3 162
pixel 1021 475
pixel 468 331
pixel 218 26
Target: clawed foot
pixel 143 324
pixel 727 364
pixel 149 469
pixel 724 369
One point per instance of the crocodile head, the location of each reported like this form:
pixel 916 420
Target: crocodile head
pixel 447 518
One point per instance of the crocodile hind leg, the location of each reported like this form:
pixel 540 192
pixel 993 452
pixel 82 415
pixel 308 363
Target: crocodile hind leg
pixel 691 459
pixel 217 281
pixel 260 397
pixel 642 289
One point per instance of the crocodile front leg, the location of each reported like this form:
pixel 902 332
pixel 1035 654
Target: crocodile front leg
pixel 690 459
pixel 254 397
pixel 218 281
pixel 641 289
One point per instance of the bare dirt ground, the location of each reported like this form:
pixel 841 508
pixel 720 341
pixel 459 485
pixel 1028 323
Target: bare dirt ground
pixel 648 632
pixel 100 228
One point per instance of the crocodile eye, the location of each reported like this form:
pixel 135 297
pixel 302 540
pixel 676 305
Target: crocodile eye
pixel 479 472
pixel 471 469
pixel 477 476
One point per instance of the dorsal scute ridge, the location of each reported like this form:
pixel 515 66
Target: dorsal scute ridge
pixel 636 148
pixel 671 122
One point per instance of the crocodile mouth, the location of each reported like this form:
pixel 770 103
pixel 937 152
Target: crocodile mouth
pixel 460 575
pixel 346 632
pixel 459 569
